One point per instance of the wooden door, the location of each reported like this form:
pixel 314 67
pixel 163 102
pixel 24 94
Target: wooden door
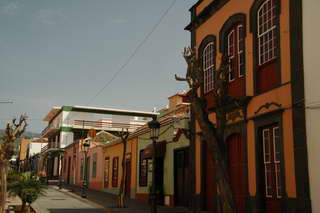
pixel 181 181
pixel 88 171
pixel 69 170
pixel 272 171
pixel 236 171
pixel 128 177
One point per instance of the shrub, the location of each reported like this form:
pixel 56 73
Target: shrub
pixel 25 186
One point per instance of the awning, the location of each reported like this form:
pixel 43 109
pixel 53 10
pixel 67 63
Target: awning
pixel 160 149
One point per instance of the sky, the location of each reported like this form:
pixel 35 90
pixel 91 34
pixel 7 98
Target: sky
pixel 63 52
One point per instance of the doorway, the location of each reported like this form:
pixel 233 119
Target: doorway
pixel 181 177
pixel 271 168
pixel 236 171
pixel 69 165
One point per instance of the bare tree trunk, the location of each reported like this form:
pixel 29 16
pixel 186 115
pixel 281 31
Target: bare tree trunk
pixel 218 158
pixel 213 133
pixel 123 176
pixel 121 194
pixel 3 192
pixel 24 207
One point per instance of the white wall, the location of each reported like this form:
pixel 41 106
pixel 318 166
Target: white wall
pixel 35 148
pixel 311 47
pixel 66 138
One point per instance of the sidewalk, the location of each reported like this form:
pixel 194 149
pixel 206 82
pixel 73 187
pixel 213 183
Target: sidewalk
pixel 108 201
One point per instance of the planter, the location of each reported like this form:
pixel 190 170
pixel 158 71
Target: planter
pixel 17 209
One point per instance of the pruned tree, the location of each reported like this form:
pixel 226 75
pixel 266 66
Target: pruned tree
pixel 12 132
pixel 213 133
pixel 124 134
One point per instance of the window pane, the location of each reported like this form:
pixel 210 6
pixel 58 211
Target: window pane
pixel 266 31
pixel 278 180
pixel 266 146
pixel 208 66
pixel 268 180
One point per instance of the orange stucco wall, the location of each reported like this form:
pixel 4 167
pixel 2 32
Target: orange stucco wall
pixel 281 95
pixel 117 151
pixel 251 158
pixel 288 148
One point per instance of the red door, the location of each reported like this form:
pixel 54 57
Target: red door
pixel 272 172
pixel 236 171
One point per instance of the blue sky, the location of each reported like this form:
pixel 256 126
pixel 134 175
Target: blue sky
pixel 62 52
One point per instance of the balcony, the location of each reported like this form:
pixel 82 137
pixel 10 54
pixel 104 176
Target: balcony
pixel 45 148
pixel 108 125
pixel 51 128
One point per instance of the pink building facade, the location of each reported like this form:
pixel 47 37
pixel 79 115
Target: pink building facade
pixel 73 165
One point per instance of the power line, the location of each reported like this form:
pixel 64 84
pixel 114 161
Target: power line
pixel 134 52
pixel 6 102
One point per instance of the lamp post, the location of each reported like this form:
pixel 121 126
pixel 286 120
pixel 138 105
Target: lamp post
pixel 154 126
pixel 85 148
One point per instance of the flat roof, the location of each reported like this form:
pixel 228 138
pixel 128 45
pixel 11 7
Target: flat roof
pixel 99 110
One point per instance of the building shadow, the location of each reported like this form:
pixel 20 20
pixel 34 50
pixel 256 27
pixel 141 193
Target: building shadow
pixel 77 210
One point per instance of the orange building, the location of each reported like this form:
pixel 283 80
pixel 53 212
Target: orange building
pixel 266 135
pixel 112 169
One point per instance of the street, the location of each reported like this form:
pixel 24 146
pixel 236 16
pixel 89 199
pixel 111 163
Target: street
pixel 56 201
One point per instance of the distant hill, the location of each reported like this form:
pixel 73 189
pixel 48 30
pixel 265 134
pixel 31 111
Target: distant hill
pixel 26 134
pixel 17 142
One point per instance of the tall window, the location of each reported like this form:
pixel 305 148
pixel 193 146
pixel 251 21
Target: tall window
pixel 208 66
pixel 115 165
pixel 240 43
pixel 106 172
pixel 94 165
pixel 235 48
pixel 271 157
pixel 267 31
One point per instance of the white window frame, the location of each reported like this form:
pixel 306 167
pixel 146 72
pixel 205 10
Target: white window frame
pixel 231 55
pixel 208 66
pixel 276 163
pixel 265 161
pixel 267 30
pixel 239 40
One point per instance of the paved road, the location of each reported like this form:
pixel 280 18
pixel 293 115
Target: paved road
pixel 56 201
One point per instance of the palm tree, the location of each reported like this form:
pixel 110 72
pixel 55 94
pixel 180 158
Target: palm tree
pixel 27 187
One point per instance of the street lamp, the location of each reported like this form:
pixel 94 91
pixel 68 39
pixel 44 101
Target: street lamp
pixel 85 148
pixel 154 126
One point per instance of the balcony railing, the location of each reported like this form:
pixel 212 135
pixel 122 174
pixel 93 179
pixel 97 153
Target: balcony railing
pixel 45 148
pixel 48 129
pixel 110 126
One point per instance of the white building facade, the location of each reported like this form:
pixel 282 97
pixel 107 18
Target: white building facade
pixel 67 124
pixel 311 62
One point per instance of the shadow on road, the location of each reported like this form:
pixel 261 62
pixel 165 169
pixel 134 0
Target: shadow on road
pixel 76 211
